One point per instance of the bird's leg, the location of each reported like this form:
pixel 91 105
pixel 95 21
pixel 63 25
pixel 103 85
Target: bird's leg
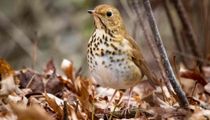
pixel 106 109
pixel 129 98
pixel 126 110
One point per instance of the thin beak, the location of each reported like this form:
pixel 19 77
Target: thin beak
pixel 91 11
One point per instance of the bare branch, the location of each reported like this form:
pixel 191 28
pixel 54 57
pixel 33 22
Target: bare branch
pixel 192 38
pixel 163 55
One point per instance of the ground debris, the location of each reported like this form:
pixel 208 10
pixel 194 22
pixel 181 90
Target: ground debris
pixel 49 95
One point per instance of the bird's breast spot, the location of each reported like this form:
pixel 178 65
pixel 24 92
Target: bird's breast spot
pixel 110 74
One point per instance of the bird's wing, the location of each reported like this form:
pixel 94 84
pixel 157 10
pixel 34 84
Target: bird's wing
pixel 139 60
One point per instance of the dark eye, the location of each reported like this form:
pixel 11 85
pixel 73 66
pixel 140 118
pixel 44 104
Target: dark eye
pixel 109 13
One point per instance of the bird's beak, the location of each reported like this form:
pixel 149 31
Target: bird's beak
pixel 91 11
pixel 95 17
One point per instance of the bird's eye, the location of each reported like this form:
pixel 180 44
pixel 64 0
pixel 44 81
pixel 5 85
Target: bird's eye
pixel 109 13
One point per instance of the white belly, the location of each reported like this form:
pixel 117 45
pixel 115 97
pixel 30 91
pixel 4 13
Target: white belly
pixel 121 74
pixel 114 75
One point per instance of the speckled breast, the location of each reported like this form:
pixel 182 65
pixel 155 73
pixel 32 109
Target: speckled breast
pixel 109 62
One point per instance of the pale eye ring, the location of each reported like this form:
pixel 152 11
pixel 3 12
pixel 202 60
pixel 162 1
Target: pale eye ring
pixel 109 13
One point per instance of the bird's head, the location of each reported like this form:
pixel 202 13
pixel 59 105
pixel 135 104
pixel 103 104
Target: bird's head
pixel 107 17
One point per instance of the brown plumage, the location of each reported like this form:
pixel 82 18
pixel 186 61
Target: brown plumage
pixel 114 58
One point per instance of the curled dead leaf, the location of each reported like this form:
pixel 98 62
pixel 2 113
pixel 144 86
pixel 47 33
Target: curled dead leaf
pixel 67 68
pixel 50 67
pixel 194 76
pixel 7 81
pixel 207 88
pixel 31 79
pixel 33 112
pixel 5 68
pixel 53 104
pixel 198 113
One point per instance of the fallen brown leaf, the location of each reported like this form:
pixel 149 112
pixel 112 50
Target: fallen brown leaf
pixel 33 112
pixel 194 76
pixel 56 108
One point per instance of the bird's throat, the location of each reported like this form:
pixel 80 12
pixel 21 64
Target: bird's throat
pixel 98 23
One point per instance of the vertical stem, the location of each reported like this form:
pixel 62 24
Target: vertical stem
pixel 34 53
pixel 206 5
pixel 163 55
pixel 179 46
pixel 171 22
pixel 192 39
pixel 149 38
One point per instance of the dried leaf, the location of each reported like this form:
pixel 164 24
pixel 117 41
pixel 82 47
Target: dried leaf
pixel 33 112
pixel 54 85
pixel 199 113
pixel 194 76
pixel 50 68
pixel 82 86
pixel 7 81
pixel 144 89
pixel 53 104
pixel 168 113
pixel 30 79
pixel 206 70
pixel 207 87
pixel 5 69
pixel 67 67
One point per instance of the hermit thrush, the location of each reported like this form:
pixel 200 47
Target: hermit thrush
pixel 114 58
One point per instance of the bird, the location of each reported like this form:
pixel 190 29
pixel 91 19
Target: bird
pixel 114 58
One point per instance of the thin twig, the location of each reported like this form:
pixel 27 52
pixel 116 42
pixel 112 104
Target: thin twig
pixel 34 54
pixel 174 31
pixel 206 18
pixel 65 111
pixel 186 49
pixel 30 81
pixel 191 57
pixel 192 39
pixel 119 115
pixel 171 22
pixel 146 33
pixel 164 58
pixel 199 13
pixel 93 113
pixel 194 87
pixel 148 37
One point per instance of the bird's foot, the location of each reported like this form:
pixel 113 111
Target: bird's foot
pixel 125 111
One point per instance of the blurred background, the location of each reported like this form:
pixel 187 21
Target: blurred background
pixel 35 31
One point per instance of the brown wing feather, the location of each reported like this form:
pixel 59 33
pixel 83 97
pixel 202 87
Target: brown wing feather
pixel 139 59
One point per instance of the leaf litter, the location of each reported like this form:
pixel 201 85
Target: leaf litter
pixel 30 95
